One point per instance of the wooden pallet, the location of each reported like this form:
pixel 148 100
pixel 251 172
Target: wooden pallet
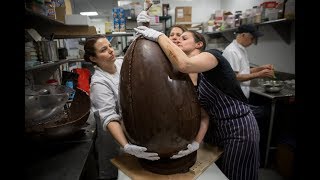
pixel 130 166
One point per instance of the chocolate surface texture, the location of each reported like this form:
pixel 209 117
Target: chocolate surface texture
pixel 159 106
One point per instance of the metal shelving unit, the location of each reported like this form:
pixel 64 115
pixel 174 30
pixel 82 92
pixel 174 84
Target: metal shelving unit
pixel 282 26
pixel 124 38
pixel 52 64
pixel 46 26
pixel 165 19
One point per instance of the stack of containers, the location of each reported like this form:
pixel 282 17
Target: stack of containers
pixel 119 19
pixel 31 55
pixel 269 11
pixel 257 14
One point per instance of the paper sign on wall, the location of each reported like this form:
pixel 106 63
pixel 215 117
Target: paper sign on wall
pixel 179 13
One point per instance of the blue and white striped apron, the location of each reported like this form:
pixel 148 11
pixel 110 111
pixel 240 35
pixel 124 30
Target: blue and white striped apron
pixel 235 129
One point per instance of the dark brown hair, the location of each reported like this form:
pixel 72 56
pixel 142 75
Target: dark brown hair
pixel 89 49
pixel 198 38
pixel 182 27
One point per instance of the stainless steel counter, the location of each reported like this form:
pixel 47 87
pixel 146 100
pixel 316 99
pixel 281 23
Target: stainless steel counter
pixel 70 159
pixel 284 93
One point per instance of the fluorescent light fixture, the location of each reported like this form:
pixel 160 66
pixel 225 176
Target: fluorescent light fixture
pixel 89 13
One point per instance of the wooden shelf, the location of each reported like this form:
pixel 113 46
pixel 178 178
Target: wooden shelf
pixel 46 26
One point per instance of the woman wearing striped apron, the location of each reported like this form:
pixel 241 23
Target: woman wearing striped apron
pixel 234 127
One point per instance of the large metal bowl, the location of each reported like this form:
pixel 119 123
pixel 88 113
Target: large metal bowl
pixel 44 101
pixel 70 123
pixel 273 86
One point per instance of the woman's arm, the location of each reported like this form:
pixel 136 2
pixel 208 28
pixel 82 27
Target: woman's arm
pixel 253 75
pixel 196 142
pixel 104 103
pixel 203 126
pixel 260 68
pixel 246 77
pixel 116 131
pixel 195 64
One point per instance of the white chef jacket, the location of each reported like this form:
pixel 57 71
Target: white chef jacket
pixel 104 92
pixel 237 56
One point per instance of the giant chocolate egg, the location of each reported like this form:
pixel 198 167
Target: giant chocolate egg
pixel 159 106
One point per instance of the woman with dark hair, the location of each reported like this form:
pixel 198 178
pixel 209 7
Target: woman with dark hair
pixel 174 35
pixel 235 128
pixel 175 32
pixel 105 105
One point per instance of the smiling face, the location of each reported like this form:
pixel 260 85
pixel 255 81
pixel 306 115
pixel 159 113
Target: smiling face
pixel 104 52
pixel 175 34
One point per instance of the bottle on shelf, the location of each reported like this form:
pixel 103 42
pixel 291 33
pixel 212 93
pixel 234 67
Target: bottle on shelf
pixel 70 84
pixel 237 18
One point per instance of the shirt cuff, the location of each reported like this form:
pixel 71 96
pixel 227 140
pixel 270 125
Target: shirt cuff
pixel 114 117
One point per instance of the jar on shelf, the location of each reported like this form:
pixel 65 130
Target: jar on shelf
pixel 237 18
pixel 257 14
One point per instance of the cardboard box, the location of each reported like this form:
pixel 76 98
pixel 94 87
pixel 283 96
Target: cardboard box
pixel 67 4
pixel 108 27
pixel 60 14
pixel 183 14
pixel 62 10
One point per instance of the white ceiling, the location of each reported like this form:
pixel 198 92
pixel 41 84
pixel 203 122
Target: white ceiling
pixel 103 7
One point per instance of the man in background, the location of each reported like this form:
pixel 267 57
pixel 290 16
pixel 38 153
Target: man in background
pixel 237 55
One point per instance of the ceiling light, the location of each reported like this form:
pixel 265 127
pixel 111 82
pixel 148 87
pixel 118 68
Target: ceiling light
pixel 89 13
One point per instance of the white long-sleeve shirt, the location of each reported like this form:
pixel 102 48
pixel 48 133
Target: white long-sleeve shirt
pixel 104 92
pixel 237 56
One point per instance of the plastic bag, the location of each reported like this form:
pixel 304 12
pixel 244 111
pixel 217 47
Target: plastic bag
pixel 83 79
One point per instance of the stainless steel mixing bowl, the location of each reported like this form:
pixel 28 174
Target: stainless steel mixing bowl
pixel 44 101
pixel 273 86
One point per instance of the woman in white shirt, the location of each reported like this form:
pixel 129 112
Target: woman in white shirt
pixel 104 87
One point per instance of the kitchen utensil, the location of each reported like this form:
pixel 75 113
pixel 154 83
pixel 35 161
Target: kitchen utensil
pixel 51 36
pixel 274 75
pixel 63 53
pixel 43 101
pixel 66 123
